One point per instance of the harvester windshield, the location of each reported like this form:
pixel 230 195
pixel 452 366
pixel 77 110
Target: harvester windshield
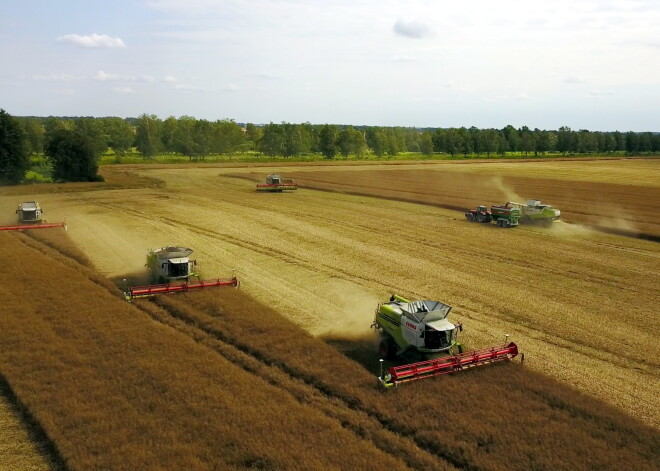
pixel 177 268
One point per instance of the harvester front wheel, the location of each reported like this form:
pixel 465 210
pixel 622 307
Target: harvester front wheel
pixel 387 348
pixel 470 217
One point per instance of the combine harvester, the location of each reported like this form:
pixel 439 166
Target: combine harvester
pixel 533 212
pixel 172 268
pixel 422 327
pixel 275 183
pixel 30 216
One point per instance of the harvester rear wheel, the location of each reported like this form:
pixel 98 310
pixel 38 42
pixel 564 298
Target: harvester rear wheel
pixel 481 218
pixel 387 348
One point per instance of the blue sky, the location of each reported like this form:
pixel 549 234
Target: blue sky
pixel 587 64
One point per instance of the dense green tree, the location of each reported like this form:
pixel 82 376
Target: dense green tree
pixel 120 135
pixel 254 134
pixel 167 133
pixel 502 145
pixel 345 141
pixel 35 132
pixel 227 136
pixel 328 135
pixel 632 142
pixel 491 139
pixel 566 140
pixel 95 131
pixel 147 135
pixel 73 154
pixel 426 143
pixel 453 142
pixel 14 149
pixel 527 143
pixel 512 138
pixel 272 140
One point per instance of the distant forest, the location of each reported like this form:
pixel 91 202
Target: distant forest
pixel 196 138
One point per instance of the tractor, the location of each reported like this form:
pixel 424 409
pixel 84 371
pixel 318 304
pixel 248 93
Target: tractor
pixel 480 214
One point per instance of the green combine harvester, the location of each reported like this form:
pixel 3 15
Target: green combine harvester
pixel 534 212
pixel 421 327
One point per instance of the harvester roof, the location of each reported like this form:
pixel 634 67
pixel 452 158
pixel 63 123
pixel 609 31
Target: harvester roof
pixel 426 311
pixel 29 205
pixel 172 253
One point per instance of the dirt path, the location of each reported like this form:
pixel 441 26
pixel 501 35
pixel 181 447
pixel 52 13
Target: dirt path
pixel 582 305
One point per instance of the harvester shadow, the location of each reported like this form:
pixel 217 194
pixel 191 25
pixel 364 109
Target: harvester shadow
pixel 131 279
pixel 364 350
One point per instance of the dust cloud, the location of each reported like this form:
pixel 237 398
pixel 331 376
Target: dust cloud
pixel 509 193
pixel 351 312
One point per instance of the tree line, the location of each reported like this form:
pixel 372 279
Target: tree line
pixel 73 145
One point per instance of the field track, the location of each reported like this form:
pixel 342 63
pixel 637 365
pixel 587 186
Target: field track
pixel 196 381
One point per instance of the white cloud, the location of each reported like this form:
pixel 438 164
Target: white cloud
pixel 123 90
pixel 105 77
pixel 495 98
pixel 187 88
pixel 573 79
pixel 92 40
pixel 523 96
pixel 411 29
pixel 58 77
pixel 461 88
pixel 600 93
pixel 170 79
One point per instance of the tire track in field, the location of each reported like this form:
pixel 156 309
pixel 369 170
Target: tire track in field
pixel 288 379
pixel 355 189
pixel 598 353
pixel 276 373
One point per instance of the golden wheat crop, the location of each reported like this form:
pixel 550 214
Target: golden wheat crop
pixel 198 381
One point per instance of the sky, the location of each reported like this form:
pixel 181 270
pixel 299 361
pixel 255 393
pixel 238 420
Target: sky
pixel 586 64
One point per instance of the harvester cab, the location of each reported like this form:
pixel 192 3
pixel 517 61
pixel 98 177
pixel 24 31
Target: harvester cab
pixel 171 263
pixel 29 211
pixel 273 179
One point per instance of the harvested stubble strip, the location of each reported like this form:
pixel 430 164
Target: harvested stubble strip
pixel 497 417
pixel 115 390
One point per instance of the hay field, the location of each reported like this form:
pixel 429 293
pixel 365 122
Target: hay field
pixel 217 380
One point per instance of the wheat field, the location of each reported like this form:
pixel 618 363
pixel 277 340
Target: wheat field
pixel 581 304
